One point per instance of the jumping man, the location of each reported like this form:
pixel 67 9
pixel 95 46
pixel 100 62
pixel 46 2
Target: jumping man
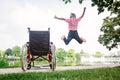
pixel 72 26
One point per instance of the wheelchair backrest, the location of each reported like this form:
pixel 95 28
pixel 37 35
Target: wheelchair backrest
pixel 39 42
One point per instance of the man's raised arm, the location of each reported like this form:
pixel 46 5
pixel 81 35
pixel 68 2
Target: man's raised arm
pixel 59 18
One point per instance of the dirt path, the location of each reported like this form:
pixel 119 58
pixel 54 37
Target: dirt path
pixel 58 68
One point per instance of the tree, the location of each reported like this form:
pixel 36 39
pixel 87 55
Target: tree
pixel 71 54
pixel 78 58
pixel 111 24
pixel 82 52
pixel 60 54
pixel 16 51
pixel 8 52
pixel 69 1
pixel 2 53
pixel 98 54
pixel 111 28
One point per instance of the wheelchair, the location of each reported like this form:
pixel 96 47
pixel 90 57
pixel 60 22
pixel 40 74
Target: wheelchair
pixel 38 46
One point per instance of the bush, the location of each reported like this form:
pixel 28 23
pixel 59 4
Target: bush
pixel 17 64
pixel 3 63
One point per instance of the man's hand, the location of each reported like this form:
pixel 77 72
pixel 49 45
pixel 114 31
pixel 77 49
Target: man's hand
pixel 55 17
pixel 84 8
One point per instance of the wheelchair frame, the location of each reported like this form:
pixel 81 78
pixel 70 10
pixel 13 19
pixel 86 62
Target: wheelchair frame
pixel 27 55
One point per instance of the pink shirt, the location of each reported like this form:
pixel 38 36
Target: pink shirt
pixel 73 23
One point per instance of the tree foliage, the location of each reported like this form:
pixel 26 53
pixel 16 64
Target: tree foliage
pixel 8 52
pixel 98 54
pixel 60 53
pixel 78 58
pixel 2 53
pixel 71 54
pixel 69 1
pixel 16 51
pixel 111 24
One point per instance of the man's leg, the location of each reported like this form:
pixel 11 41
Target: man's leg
pixel 69 38
pixel 76 37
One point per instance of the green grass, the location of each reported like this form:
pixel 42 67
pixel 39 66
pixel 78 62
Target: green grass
pixel 87 74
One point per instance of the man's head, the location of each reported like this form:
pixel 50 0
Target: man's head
pixel 72 15
pixel 51 42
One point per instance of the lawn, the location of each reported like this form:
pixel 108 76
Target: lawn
pixel 87 74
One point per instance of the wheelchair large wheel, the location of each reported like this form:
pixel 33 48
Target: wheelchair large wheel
pixel 24 52
pixel 53 58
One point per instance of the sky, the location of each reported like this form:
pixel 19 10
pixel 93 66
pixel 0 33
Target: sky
pixel 17 15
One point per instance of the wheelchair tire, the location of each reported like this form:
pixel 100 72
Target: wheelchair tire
pixel 53 58
pixel 24 64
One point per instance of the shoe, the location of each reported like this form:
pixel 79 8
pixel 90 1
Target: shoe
pixel 63 37
pixel 84 40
